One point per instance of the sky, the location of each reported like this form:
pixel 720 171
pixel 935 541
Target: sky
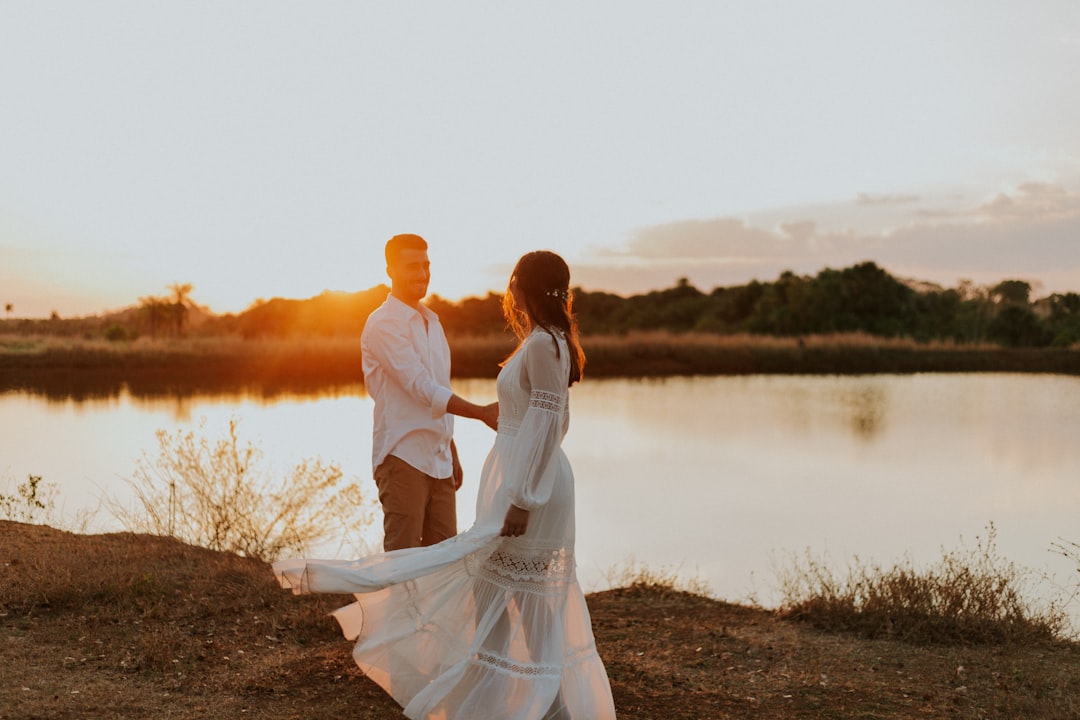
pixel 259 149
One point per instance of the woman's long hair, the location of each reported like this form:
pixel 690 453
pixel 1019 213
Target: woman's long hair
pixel 542 279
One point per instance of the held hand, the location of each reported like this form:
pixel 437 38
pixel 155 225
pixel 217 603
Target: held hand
pixel 516 522
pixel 459 474
pixel 490 415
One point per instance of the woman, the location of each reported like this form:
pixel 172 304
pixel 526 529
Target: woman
pixel 491 624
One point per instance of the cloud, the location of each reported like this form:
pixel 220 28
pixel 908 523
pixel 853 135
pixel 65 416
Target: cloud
pixel 871 199
pixel 799 230
pixel 1031 232
pixel 1032 202
pixel 697 239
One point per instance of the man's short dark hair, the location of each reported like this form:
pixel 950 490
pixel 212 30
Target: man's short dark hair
pixel 396 244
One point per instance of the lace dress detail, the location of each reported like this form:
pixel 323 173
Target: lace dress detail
pixel 544 400
pixel 500 664
pixel 481 623
pixel 516 566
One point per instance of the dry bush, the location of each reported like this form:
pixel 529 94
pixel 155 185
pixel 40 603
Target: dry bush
pixel 216 495
pixel 665 579
pixel 32 501
pixel 1070 550
pixel 968 596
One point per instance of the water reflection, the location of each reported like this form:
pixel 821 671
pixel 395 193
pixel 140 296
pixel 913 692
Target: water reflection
pixel 183 407
pixel 867 411
pixel 180 402
pixel 60 390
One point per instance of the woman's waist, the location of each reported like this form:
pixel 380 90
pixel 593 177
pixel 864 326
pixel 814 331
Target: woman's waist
pixel 509 427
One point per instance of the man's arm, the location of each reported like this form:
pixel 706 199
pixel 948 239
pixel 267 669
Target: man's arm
pixel 489 414
pixel 393 351
pixel 389 347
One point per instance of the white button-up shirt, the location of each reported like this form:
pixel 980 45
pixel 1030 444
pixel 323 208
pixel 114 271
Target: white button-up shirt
pixel 407 373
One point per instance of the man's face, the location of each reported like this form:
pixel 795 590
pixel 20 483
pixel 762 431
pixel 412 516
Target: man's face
pixel 410 275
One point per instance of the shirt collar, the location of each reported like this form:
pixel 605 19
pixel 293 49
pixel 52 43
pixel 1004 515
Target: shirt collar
pixel 407 311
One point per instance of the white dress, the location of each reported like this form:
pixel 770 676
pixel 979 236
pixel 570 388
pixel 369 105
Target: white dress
pixel 479 626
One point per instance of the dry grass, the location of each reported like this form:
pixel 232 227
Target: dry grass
pixel 228 345
pixel 138 626
pixel 633 574
pixel 663 353
pixel 29 501
pixel 337 359
pixel 134 626
pixel 678 656
pixel 77 369
pixel 747 340
pixel 19 343
pixel 971 595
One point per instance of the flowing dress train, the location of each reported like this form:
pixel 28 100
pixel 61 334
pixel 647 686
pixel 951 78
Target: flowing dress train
pixel 480 626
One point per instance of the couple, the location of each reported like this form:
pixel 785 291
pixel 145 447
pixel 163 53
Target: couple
pixel 490 624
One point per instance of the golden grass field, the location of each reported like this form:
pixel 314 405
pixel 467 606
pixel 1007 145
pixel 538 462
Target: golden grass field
pixel 42 362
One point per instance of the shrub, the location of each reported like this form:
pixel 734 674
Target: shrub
pixel 969 596
pixel 116 333
pixel 32 501
pixel 666 579
pixel 216 495
pixel 1070 550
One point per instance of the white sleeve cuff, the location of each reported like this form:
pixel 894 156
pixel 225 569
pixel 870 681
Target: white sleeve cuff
pixel 439 400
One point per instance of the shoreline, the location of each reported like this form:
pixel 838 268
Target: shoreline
pixel 74 367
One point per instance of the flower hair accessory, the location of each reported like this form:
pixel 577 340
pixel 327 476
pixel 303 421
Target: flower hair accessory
pixel 557 293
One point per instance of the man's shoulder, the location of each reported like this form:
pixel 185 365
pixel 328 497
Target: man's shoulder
pixel 381 312
pixel 395 318
pixel 387 313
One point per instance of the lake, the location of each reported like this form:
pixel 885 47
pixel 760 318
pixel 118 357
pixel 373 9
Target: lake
pixel 715 478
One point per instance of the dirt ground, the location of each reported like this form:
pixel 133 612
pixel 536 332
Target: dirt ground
pixel 127 626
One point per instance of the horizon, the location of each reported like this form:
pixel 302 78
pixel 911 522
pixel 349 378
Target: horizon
pixel 192 298
pixel 259 149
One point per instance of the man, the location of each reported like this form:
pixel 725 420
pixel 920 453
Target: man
pixel 406 363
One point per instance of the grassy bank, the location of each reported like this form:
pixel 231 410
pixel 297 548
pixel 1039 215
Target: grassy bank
pixel 74 366
pixel 134 626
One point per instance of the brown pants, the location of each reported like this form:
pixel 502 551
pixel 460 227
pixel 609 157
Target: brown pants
pixel 418 510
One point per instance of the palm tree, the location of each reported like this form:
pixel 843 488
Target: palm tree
pixel 181 303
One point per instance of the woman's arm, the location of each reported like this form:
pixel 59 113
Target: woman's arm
pixel 532 466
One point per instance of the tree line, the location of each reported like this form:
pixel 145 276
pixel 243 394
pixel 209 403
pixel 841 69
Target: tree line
pixel 863 298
